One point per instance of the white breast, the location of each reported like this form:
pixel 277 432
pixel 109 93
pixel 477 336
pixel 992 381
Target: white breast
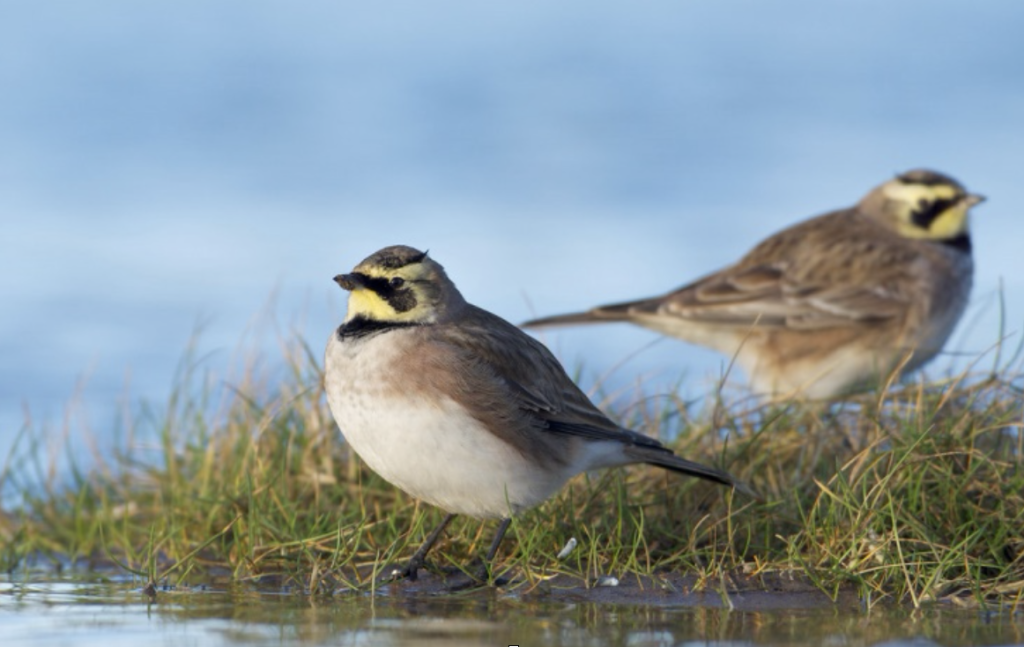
pixel 430 448
pixel 948 302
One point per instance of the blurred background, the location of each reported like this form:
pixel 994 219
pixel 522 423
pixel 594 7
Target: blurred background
pixel 170 167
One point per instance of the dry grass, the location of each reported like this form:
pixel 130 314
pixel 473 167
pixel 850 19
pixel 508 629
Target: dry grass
pixel 913 496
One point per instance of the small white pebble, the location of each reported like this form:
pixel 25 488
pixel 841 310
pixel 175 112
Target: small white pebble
pixel 568 548
pixel 606 580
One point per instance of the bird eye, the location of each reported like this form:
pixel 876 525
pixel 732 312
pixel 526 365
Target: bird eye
pixel 397 282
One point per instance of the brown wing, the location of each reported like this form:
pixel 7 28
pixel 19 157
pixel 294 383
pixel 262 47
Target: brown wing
pixel 813 275
pixel 513 383
pixel 528 377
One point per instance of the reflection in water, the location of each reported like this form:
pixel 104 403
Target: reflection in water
pixel 44 613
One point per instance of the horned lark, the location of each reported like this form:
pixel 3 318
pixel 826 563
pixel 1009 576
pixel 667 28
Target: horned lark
pixel 834 302
pixel 460 408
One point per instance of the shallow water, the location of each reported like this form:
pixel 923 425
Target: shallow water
pixel 112 614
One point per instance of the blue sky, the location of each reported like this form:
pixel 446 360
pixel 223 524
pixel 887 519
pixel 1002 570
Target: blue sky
pixel 168 164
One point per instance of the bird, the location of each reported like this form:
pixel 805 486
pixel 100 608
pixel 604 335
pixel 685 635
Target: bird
pixel 834 303
pixel 460 408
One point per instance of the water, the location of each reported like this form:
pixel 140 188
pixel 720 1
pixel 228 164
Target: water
pixel 173 166
pixel 109 614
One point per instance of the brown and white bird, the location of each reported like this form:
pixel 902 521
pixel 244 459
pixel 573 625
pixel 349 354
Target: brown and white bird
pixel 832 303
pixel 458 407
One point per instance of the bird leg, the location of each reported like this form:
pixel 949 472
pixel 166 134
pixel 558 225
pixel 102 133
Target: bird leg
pixel 409 572
pixel 493 550
pixel 483 573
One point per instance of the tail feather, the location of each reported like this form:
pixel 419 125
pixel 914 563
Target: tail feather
pixel 670 461
pixel 598 315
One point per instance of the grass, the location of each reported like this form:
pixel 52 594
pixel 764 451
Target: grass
pixel 911 496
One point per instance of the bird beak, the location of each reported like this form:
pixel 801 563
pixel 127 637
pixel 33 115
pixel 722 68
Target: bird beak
pixel 973 199
pixel 350 282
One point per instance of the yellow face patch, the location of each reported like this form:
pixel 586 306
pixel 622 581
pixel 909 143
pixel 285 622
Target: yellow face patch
pixel 911 200
pixel 391 294
pixel 898 191
pixel 950 223
pixel 369 304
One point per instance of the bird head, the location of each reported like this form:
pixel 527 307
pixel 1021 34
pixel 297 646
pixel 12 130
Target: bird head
pixel 399 284
pixel 922 204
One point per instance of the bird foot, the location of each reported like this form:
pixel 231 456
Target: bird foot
pixel 409 572
pixel 478 575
